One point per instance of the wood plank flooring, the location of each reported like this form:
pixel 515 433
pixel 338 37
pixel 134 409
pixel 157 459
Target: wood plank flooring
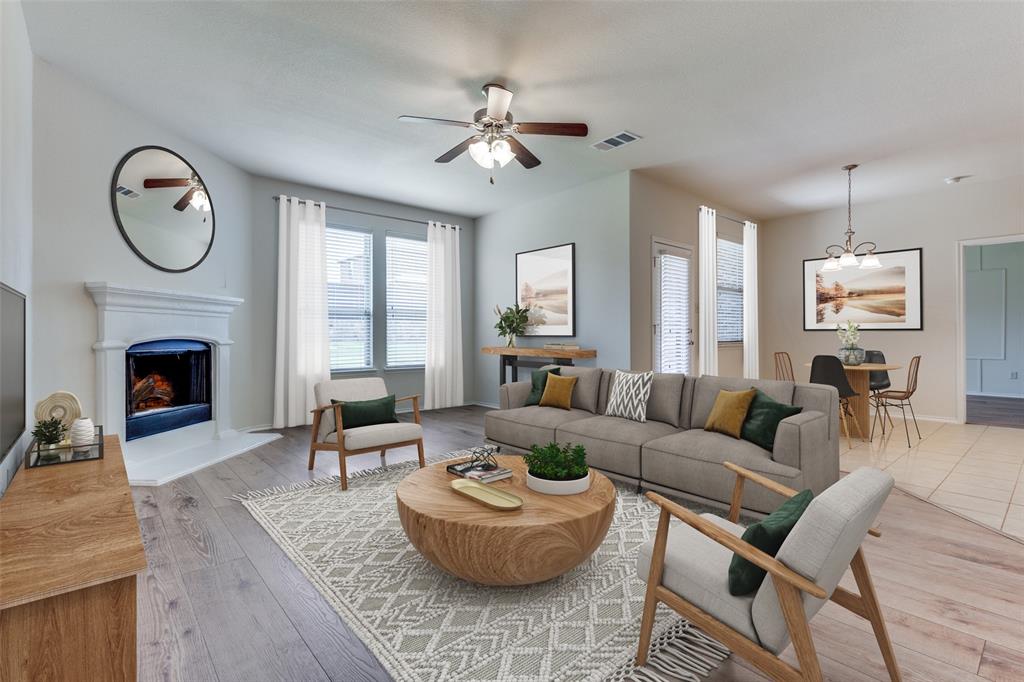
pixel 221 601
pixel 995 411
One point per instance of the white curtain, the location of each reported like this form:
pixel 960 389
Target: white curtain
pixel 707 251
pixel 442 382
pixel 303 356
pixel 751 370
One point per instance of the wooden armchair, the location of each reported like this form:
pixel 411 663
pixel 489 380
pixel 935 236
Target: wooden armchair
pixel 688 569
pixel 329 432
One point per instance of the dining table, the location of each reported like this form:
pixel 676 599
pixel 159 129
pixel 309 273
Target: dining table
pixel 859 378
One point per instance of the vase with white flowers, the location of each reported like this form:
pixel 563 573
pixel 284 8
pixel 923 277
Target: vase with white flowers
pixel 849 335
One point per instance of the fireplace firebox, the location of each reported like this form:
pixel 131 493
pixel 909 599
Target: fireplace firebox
pixel 167 386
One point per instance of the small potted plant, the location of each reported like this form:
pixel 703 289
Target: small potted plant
pixel 555 469
pixel 48 434
pixel 849 335
pixel 512 322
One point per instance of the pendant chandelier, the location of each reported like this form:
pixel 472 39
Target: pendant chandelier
pixel 845 255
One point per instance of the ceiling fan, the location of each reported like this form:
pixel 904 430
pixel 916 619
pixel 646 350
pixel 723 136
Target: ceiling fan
pixel 493 142
pixel 195 195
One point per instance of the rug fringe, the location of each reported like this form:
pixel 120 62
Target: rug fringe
pixel 680 652
pixel 253 495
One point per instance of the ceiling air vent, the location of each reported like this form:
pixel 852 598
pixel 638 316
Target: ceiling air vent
pixel 130 193
pixel 620 140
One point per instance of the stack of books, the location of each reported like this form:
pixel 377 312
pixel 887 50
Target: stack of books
pixel 478 472
pixel 561 346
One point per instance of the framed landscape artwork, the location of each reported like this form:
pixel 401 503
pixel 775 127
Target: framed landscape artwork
pixel 889 297
pixel 546 281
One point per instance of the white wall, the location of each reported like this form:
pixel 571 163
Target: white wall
pixel 16 187
pixel 934 221
pixel 264 225
pixel 79 137
pixel 995 319
pixel 596 217
pixel 660 210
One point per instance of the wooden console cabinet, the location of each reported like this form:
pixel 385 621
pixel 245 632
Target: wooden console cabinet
pixel 70 550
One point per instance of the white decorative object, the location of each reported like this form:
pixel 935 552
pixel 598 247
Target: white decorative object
pixel 547 487
pixel 751 368
pixel 707 309
pixel 303 353
pixel 442 381
pixel 82 432
pixel 63 405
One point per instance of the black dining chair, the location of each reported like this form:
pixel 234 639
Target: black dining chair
pixel 878 380
pixel 828 370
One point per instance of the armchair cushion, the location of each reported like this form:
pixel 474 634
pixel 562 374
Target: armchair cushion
pixel 767 535
pixel 696 568
pixel 356 413
pixel 365 388
pixel 378 435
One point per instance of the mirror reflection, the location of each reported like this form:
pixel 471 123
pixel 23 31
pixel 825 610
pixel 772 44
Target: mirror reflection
pixel 163 209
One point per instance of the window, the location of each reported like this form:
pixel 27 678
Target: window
pixel 406 301
pixel 672 330
pixel 349 298
pixel 730 291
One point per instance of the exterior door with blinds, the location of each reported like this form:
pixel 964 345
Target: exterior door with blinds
pixel 673 308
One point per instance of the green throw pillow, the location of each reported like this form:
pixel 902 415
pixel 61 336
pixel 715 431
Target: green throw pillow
pixel 356 413
pixel 763 420
pixel 539 378
pixel 767 535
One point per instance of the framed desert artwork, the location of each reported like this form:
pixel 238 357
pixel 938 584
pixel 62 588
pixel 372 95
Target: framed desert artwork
pixel 889 297
pixel 546 281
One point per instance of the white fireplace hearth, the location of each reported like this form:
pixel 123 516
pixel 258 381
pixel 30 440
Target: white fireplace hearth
pixel 131 315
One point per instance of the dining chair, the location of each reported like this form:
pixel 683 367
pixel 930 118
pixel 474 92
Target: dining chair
pixel 783 366
pixel 901 399
pixel 878 380
pixel 329 432
pixel 828 370
pixel 686 567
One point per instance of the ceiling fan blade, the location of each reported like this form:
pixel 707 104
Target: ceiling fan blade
pixel 456 150
pixel 439 121
pixel 498 101
pixel 156 183
pixel 569 129
pixel 182 203
pixel 523 155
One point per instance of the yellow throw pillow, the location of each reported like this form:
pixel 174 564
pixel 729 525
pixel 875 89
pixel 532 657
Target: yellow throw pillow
pixel 558 392
pixel 729 412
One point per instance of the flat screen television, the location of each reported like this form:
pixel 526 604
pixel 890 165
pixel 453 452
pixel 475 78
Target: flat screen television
pixel 12 369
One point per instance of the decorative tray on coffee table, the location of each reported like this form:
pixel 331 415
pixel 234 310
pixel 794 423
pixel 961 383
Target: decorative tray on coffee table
pixel 487 495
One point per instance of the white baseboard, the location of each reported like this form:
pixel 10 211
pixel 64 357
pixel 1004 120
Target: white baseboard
pixel 1019 396
pixel 493 406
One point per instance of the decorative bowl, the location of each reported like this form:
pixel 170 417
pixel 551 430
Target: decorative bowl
pixel 548 487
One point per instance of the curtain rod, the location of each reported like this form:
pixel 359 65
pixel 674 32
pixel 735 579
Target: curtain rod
pixel 722 215
pixel 376 215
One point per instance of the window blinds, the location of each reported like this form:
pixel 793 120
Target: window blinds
pixel 730 291
pixel 672 326
pixel 406 293
pixel 349 298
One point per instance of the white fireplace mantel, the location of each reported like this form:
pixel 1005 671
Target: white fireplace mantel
pixel 130 315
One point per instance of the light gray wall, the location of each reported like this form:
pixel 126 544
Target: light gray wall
pixel 596 217
pixel 657 209
pixel 265 228
pixel 995 319
pixel 934 221
pixel 16 188
pixel 79 137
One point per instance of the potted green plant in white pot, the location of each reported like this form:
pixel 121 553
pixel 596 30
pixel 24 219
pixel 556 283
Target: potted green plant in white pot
pixel 555 469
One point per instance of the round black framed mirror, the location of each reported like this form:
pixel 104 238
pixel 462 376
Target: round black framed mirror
pixel 162 208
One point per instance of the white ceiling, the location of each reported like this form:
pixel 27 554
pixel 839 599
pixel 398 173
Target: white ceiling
pixel 751 105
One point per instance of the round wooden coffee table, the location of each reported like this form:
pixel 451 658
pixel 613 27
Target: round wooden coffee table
pixel 547 537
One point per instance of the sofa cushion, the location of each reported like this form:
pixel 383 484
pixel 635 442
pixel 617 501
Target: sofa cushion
pixel 558 392
pixel 691 461
pixel 612 443
pixel 538 381
pixel 587 388
pixel 524 427
pixel 697 568
pixel 629 395
pixel 729 412
pixel 763 419
pixel 666 398
pixel 707 387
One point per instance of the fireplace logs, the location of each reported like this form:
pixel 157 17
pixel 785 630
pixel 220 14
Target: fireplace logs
pixel 152 392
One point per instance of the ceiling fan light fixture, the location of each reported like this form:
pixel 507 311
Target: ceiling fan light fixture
pixel 502 152
pixel 481 153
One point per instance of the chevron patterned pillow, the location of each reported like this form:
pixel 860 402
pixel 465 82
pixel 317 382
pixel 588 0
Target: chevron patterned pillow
pixel 629 395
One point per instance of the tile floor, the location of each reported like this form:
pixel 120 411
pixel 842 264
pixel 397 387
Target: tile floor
pixel 976 471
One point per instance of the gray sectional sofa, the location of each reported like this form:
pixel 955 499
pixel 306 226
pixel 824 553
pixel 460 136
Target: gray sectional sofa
pixel 671 452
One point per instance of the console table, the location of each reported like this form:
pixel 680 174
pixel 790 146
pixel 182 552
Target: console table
pixel 70 550
pixel 514 358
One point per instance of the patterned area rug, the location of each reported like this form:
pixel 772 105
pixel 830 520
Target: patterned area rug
pixel 426 626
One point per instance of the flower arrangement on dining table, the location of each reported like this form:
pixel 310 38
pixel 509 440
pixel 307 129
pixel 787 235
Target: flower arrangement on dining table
pixel 849 335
